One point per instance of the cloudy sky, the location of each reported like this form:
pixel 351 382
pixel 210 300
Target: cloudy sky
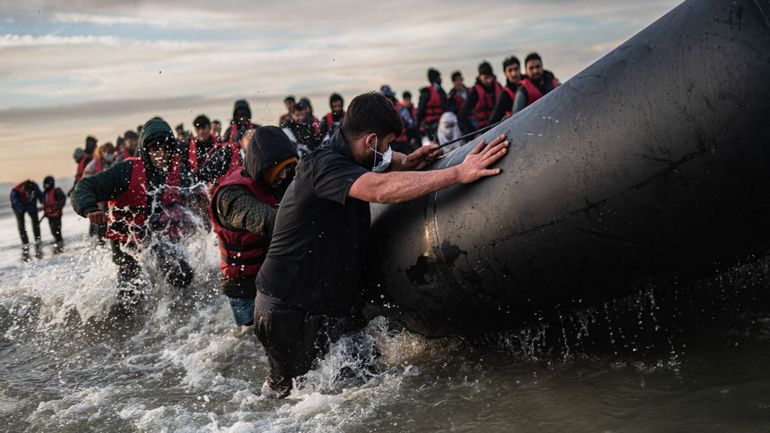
pixel 76 67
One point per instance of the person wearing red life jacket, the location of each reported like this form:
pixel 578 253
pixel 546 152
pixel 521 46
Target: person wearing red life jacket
pixel 147 199
pixel 459 93
pixel 431 105
pixel 481 101
pixel 243 210
pixel 504 106
pixel 88 154
pixel 332 120
pixel 53 205
pixel 227 155
pixel 535 85
pixel 24 199
pixel 201 146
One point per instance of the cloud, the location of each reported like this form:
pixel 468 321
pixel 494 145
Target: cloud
pixel 103 65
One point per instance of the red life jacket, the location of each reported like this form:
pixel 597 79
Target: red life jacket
pixel 52 209
pixel 316 126
pixel 533 92
pixel 82 166
pixel 192 153
pixel 433 109
pixel 485 104
pixel 241 251
pixel 26 198
pixel 458 100
pixel 98 166
pixel 236 162
pixel 512 95
pixel 128 212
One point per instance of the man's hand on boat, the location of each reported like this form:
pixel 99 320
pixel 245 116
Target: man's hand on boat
pixel 476 163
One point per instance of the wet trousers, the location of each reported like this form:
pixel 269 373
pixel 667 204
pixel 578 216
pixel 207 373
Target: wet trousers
pixel 23 229
pixel 293 338
pixel 55 225
pixel 176 270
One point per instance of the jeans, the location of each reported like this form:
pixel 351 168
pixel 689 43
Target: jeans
pixel 243 310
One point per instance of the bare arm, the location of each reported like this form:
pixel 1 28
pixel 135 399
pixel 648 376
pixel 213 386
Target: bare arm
pixel 396 187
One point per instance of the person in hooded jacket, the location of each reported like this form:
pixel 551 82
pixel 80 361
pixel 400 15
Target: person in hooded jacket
pixel 482 97
pixel 240 123
pixel 243 210
pixel 53 205
pixel 146 198
pixel 449 131
pixel 24 199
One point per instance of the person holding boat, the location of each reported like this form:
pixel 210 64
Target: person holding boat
pixel 308 286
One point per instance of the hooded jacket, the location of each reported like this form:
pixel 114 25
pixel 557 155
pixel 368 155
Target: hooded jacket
pixel 235 209
pixel 231 136
pixel 115 181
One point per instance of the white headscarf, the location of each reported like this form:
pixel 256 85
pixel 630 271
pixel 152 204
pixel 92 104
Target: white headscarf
pixel 448 131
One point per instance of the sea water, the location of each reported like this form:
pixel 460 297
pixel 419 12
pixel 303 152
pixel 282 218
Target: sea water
pixel 667 359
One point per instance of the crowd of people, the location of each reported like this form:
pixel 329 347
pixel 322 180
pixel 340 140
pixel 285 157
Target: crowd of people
pixel 289 204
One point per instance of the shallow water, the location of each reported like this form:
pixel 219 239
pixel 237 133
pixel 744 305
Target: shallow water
pixel 667 360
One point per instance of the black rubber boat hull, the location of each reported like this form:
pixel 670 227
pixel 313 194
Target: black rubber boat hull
pixel 654 161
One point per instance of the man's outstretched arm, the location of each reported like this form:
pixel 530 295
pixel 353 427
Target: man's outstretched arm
pixel 400 186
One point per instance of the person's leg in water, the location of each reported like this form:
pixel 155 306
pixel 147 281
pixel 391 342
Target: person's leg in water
pixel 100 229
pixel 23 234
pixel 172 262
pixel 130 281
pixel 55 225
pixel 291 339
pixel 36 233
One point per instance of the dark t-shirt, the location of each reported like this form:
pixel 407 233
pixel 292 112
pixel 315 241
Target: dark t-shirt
pixel 320 235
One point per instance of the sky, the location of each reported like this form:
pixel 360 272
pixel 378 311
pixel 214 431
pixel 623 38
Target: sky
pixel 73 68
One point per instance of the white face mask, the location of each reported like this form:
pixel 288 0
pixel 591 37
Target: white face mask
pixel 385 158
pixel 108 157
